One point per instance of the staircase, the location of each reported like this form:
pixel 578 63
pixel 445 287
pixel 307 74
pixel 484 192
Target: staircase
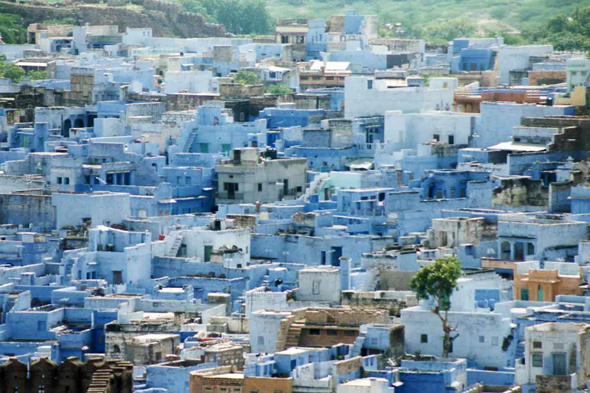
pixel 358 345
pixel 519 350
pixel 175 246
pixel 189 142
pixel 294 334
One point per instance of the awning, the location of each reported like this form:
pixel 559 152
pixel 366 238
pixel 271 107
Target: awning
pixel 515 146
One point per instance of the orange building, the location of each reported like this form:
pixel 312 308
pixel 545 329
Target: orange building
pixel 545 285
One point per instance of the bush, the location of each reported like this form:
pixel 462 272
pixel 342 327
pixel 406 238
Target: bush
pixel 279 89
pixel 246 78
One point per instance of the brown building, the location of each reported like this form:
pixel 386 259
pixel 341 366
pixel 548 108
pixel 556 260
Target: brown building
pixel 543 77
pixel 467 102
pixel 323 75
pixel 224 379
pixel 72 376
pixel 545 285
pixel 268 385
pixel 325 327
pixel 293 31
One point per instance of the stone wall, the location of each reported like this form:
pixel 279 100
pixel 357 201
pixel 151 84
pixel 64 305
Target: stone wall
pixel 71 376
pixel 520 191
pixel 553 384
pixel 371 301
pixel 23 209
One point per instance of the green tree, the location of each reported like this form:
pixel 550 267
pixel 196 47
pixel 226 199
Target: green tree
pixel 10 71
pixel 437 282
pixel 246 78
pixel 37 75
pixel 278 89
pixel 12 30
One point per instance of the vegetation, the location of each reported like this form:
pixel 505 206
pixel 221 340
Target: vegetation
pixel 437 282
pixel 436 20
pixel 241 17
pixel 37 75
pixel 565 33
pixel 278 89
pixel 63 21
pixel 12 29
pixel 246 78
pixel 10 71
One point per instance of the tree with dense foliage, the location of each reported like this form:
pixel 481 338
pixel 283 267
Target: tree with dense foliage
pixel 10 70
pixel 564 33
pixel 437 282
pixel 246 78
pixel 37 75
pixel 12 30
pixel 238 16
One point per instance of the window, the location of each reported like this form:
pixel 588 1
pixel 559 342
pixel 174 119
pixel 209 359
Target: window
pixel 436 137
pixel 530 249
pixel 59 180
pixel 315 287
pixel 314 332
pixel 208 388
pixel 524 294
pixel 223 389
pixel 537 345
pixel 370 84
pixel 451 139
pixel 259 187
pixel 537 360
pixel 66 180
pixel 299 189
pixel 482 339
pixel 332 332
pixel 350 333
pixel 188 180
pixel 424 338
pixel 204 147
pixel 453 191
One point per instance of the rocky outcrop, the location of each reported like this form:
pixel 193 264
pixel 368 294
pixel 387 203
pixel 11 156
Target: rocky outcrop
pixel 165 19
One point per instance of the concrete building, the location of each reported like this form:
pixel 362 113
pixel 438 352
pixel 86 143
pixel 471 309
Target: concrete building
pixel 371 97
pixel 250 178
pixel 555 357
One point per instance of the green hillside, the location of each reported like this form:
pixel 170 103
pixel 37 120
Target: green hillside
pixel 437 21
pixel 434 17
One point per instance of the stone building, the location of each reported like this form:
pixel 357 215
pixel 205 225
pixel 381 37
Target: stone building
pixel 151 348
